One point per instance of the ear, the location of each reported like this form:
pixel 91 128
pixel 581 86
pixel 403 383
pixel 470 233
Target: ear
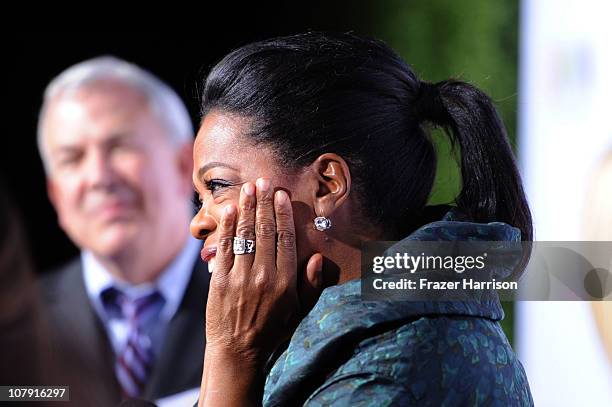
pixel 51 192
pixel 334 183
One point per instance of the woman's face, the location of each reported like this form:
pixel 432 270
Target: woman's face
pixel 223 161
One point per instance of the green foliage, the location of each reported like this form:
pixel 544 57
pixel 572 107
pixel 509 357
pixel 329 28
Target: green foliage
pixel 472 40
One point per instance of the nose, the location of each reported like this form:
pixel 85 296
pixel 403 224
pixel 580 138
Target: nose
pixel 202 224
pixel 99 171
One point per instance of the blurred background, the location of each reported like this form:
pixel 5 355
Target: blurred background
pixel 547 64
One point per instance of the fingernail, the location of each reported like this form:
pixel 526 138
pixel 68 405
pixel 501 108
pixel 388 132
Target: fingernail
pixel 281 197
pixel 263 184
pixel 249 189
pixel 229 210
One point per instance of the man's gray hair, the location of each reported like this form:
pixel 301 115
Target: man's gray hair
pixel 162 99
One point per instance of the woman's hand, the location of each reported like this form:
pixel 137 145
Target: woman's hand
pixel 253 302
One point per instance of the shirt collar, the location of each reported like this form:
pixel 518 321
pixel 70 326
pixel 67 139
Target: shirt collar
pixel 171 283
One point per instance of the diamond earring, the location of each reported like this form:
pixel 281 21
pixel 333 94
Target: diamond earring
pixel 322 223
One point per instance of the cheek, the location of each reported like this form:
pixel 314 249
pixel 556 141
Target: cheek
pixel 215 211
pixel 303 229
pixel 68 191
pixel 149 182
pixel 214 206
pixel 134 168
pixel 69 204
pixel 302 216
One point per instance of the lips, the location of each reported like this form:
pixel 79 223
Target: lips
pixel 208 253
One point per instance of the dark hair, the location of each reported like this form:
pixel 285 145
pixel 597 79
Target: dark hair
pixel 354 96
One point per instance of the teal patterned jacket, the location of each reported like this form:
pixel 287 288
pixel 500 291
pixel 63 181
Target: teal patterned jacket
pixel 348 352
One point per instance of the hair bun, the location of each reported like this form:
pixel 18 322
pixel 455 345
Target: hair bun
pixel 428 104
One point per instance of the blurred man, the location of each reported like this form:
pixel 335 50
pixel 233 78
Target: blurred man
pixel 127 315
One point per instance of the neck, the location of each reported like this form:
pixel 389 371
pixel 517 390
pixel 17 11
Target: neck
pixel 343 267
pixel 139 265
pixel 343 257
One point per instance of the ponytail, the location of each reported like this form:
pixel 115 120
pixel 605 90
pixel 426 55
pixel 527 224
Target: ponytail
pixel 491 184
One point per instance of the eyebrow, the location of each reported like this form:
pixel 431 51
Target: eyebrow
pixel 203 169
pixel 113 138
pixel 66 149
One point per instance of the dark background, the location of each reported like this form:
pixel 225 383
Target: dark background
pixel 181 59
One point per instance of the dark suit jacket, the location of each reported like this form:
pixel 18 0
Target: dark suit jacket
pixel 82 353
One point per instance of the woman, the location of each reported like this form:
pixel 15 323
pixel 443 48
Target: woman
pixel 311 145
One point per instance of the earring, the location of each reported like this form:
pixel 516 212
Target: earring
pixel 322 223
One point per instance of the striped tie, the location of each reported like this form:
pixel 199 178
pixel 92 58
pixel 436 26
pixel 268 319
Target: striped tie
pixel 135 361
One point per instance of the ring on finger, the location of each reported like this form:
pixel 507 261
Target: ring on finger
pixel 243 246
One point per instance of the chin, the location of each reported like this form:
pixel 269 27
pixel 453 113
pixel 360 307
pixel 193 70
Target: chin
pixel 111 251
pixel 114 243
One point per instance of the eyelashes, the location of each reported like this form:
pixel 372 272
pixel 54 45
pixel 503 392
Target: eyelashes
pixel 215 186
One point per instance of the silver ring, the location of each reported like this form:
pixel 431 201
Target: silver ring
pixel 243 246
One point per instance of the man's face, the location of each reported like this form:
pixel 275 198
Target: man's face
pixel 117 182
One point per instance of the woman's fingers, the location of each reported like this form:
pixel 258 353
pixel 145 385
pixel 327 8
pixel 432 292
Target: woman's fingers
pixel 256 293
pixel 312 283
pixel 313 277
pixel 246 224
pixel 224 258
pixel 265 226
pixel 286 258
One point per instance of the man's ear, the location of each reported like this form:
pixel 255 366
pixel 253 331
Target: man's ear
pixel 51 193
pixel 334 183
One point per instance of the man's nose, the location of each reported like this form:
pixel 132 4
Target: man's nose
pixel 99 171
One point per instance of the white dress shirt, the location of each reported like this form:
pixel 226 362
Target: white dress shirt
pixel 171 283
